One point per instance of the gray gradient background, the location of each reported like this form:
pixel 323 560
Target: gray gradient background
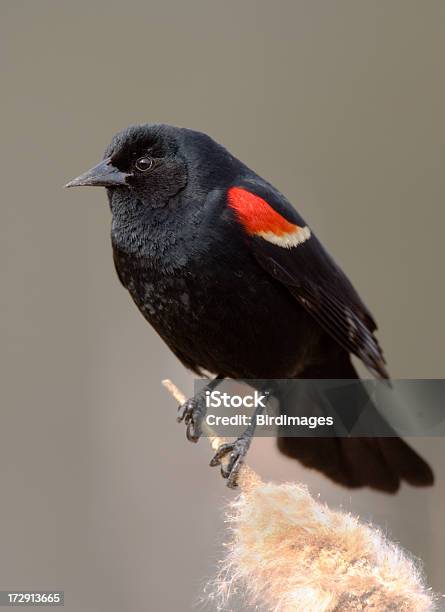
pixel 341 105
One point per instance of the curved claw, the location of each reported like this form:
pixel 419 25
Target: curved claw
pixel 232 478
pixel 221 452
pixel 184 410
pixel 238 451
pixel 193 431
pixel 192 414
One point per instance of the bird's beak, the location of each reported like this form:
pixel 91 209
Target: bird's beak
pixel 102 175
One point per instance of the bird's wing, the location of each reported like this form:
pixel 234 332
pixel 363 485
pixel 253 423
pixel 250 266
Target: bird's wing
pixel 287 249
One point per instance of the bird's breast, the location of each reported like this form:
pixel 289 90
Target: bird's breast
pixel 224 316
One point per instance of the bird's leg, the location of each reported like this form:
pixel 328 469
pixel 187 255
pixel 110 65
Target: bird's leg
pixel 238 449
pixel 193 411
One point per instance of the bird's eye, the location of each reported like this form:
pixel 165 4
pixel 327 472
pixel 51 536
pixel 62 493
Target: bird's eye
pixel 143 164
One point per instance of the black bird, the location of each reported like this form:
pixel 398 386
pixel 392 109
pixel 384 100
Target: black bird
pixel 234 281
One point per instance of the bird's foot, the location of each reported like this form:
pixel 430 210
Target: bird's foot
pixel 238 450
pixel 193 412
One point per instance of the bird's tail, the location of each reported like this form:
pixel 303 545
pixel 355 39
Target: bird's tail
pixel 379 463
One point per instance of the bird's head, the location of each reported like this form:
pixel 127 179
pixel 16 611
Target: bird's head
pixel 143 161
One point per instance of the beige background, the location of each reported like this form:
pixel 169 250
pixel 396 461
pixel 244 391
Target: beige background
pixel 341 105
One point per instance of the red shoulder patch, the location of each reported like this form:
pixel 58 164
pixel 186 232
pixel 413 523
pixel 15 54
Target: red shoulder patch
pixel 255 214
pixel 259 219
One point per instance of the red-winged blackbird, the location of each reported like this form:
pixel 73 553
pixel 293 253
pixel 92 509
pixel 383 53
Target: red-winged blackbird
pixel 235 282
